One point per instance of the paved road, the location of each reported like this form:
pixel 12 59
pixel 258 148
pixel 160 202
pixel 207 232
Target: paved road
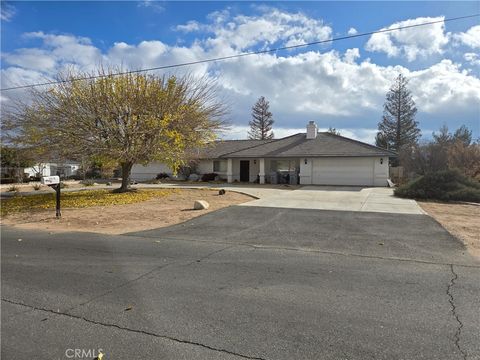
pixel 245 283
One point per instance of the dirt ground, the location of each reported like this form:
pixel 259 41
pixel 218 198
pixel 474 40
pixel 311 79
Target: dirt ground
pixel 461 220
pixel 119 219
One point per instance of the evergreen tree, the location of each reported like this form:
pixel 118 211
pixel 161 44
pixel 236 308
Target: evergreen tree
pixel 443 137
pixel 463 134
pixel 262 121
pixel 398 127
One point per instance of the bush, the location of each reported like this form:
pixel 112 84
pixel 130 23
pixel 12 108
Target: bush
pixel 75 177
pixel 88 182
pixel 36 187
pixel 447 185
pixel 162 176
pixel 13 188
pixel 8 180
pixel 209 177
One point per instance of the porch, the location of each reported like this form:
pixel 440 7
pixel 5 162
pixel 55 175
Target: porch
pixel 260 170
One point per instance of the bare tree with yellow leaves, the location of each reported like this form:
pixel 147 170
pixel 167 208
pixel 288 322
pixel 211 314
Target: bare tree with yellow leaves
pixel 129 118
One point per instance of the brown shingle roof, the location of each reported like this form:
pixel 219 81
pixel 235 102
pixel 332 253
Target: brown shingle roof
pixel 325 144
pixel 225 147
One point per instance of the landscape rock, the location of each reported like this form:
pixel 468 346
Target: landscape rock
pixel 200 205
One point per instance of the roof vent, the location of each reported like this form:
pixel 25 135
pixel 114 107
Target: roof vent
pixel 312 130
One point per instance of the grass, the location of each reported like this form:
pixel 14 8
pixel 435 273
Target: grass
pixel 79 199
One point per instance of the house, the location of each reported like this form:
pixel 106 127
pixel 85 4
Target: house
pixel 64 168
pixel 311 158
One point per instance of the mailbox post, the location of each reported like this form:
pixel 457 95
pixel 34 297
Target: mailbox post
pixel 54 183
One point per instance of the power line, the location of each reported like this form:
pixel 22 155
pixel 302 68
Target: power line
pixel 242 54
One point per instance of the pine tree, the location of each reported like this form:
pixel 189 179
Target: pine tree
pixel 398 127
pixel 463 134
pixel 262 121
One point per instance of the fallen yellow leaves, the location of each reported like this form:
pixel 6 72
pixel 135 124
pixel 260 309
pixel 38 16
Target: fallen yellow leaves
pixel 79 199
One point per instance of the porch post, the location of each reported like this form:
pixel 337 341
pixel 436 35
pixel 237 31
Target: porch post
pixel 262 171
pixel 230 171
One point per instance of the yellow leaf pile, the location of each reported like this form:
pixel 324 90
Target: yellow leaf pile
pixel 79 199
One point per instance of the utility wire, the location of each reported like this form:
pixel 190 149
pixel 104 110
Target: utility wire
pixel 242 54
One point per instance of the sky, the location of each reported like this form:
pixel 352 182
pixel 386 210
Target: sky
pixel 340 84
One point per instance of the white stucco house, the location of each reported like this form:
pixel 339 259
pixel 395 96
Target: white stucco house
pixel 64 168
pixel 311 158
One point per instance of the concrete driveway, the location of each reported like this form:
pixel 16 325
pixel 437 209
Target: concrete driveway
pixel 339 198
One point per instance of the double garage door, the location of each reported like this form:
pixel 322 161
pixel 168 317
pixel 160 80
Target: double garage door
pixel 343 171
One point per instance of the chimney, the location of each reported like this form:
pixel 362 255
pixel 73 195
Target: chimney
pixel 312 130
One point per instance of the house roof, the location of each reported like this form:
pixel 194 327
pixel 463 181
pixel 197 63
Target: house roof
pixel 325 144
pixel 224 147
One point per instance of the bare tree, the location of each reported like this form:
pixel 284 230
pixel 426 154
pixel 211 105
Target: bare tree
pixel 333 131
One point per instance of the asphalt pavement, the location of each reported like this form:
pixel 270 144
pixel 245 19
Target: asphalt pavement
pixel 244 283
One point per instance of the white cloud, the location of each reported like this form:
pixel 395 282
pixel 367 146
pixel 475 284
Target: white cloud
pixel 153 5
pixel 351 55
pixel 411 43
pixel 37 59
pixel 271 26
pixel 66 50
pixel 470 38
pixel 472 58
pixel 189 26
pixel 352 31
pixel 445 88
pixel 7 11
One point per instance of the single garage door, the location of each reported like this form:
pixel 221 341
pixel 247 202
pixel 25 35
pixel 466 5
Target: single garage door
pixel 343 171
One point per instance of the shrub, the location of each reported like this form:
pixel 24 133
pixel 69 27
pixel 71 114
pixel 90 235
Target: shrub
pixel 209 177
pixel 36 187
pixel 7 180
pixel 13 188
pixel 446 185
pixel 189 168
pixel 162 176
pixel 88 182
pixel 75 177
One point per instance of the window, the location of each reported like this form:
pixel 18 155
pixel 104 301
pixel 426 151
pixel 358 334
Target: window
pixel 284 165
pixel 220 166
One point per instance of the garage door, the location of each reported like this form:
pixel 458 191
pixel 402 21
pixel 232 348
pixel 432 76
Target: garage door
pixel 343 171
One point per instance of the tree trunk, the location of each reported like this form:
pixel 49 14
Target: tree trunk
pixel 126 169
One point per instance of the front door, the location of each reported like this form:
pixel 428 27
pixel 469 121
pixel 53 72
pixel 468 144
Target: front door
pixel 244 170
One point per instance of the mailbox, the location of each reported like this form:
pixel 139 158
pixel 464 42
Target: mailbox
pixel 50 180
pixel 54 183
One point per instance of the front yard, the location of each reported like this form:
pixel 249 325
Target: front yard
pixel 105 212
pixel 461 220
